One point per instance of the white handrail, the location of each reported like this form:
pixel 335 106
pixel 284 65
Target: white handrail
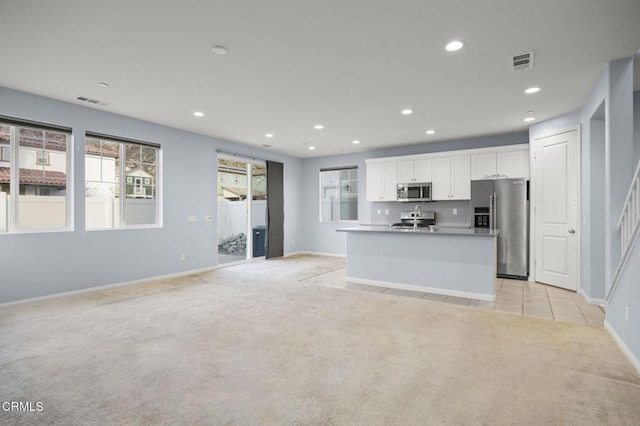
pixel 629 227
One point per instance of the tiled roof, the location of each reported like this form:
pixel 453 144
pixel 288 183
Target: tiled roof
pixel 58 146
pixel 90 149
pixel 35 177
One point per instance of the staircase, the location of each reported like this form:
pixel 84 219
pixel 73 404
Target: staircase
pixel 628 226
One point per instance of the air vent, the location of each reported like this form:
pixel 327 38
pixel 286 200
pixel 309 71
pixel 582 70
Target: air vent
pixel 266 146
pixel 92 101
pixel 523 61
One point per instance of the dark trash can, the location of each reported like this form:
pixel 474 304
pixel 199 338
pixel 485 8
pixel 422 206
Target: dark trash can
pixel 259 236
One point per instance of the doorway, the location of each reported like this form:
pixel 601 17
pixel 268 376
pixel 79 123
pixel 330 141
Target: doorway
pixel 242 209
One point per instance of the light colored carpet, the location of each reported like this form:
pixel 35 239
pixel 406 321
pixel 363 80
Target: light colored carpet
pixel 261 343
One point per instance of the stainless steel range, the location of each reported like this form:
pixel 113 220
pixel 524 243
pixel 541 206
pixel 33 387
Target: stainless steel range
pixel 415 219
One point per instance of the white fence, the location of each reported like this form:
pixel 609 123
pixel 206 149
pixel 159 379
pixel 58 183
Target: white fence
pixel 232 217
pixel 49 212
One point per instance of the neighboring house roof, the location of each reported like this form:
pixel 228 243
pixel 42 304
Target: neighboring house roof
pixel 54 145
pixel 90 149
pixel 35 177
pixel 51 144
pixel 242 192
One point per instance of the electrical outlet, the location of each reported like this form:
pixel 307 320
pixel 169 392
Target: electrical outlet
pixel 386 211
pixel 379 211
pixel 626 314
pixel 191 219
pixel 183 257
pixel 208 218
pixel 455 211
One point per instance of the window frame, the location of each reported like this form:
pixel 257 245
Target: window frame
pixel 321 188
pixel 13 213
pixel 121 181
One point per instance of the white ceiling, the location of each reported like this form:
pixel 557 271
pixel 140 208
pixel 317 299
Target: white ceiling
pixel 351 65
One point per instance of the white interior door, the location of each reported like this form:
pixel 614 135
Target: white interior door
pixel 555 183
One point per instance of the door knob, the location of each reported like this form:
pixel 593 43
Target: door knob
pixel 572 231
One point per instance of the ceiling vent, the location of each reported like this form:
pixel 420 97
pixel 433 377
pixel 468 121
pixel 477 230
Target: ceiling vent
pixel 92 101
pixel 521 62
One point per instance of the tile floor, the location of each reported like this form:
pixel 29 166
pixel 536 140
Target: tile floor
pixel 523 298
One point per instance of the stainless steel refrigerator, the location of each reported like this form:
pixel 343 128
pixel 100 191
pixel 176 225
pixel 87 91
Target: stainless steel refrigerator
pixel 503 204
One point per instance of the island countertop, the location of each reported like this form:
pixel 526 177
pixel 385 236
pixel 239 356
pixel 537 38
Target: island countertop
pixel 423 231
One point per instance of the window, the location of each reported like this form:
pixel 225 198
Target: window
pixel 42 158
pixel 121 188
pixel 339 194
pixel 5 153
pixel 34 166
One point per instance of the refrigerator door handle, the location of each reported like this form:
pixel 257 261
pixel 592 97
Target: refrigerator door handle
pixel 491 212
pixel 495 211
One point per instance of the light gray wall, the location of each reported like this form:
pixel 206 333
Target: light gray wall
pixel 627 295
pixel 41 264
pixel 322 237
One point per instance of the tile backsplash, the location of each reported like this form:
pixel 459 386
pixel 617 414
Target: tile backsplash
pixel 387 213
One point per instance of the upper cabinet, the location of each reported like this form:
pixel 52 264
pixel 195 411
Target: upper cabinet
pixel 450 173
pixel 513 164
pixel 418 170
pixel 507 164
pixel 382 181
pixel 451 178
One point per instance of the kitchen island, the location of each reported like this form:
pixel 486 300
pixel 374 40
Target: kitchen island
pixel 450 261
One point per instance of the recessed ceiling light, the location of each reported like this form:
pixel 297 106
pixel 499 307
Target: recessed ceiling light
pixel 430 132
pixel 199 114
pixel 318 127
pixel 529 119
pixel 219 50
pixel 531 90
pixel 312 148
pixel 269 135
pixel 454 45
pixel 407 111
pixel 355 142
pixel 103 84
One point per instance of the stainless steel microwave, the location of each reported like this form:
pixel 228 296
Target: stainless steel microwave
pixel 414 191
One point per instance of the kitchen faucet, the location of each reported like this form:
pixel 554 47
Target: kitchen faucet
pixel 416 213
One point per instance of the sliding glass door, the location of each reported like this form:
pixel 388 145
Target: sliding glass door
pixel 242 195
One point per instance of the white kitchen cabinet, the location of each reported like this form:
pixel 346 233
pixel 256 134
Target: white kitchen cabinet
pixel 382 181
pixel 513 164
pixel 507 164
pixel 451 178
pixel 483 166
pixel 461 177
pixel 410 171
pixel 441 178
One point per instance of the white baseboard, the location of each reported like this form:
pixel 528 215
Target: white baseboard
pixel 106 287
pixel 592 300
pixel 423 289
pixel 317 253
pixel 625 349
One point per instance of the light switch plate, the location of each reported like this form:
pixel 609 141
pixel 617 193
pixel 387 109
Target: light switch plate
pixel 191 219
